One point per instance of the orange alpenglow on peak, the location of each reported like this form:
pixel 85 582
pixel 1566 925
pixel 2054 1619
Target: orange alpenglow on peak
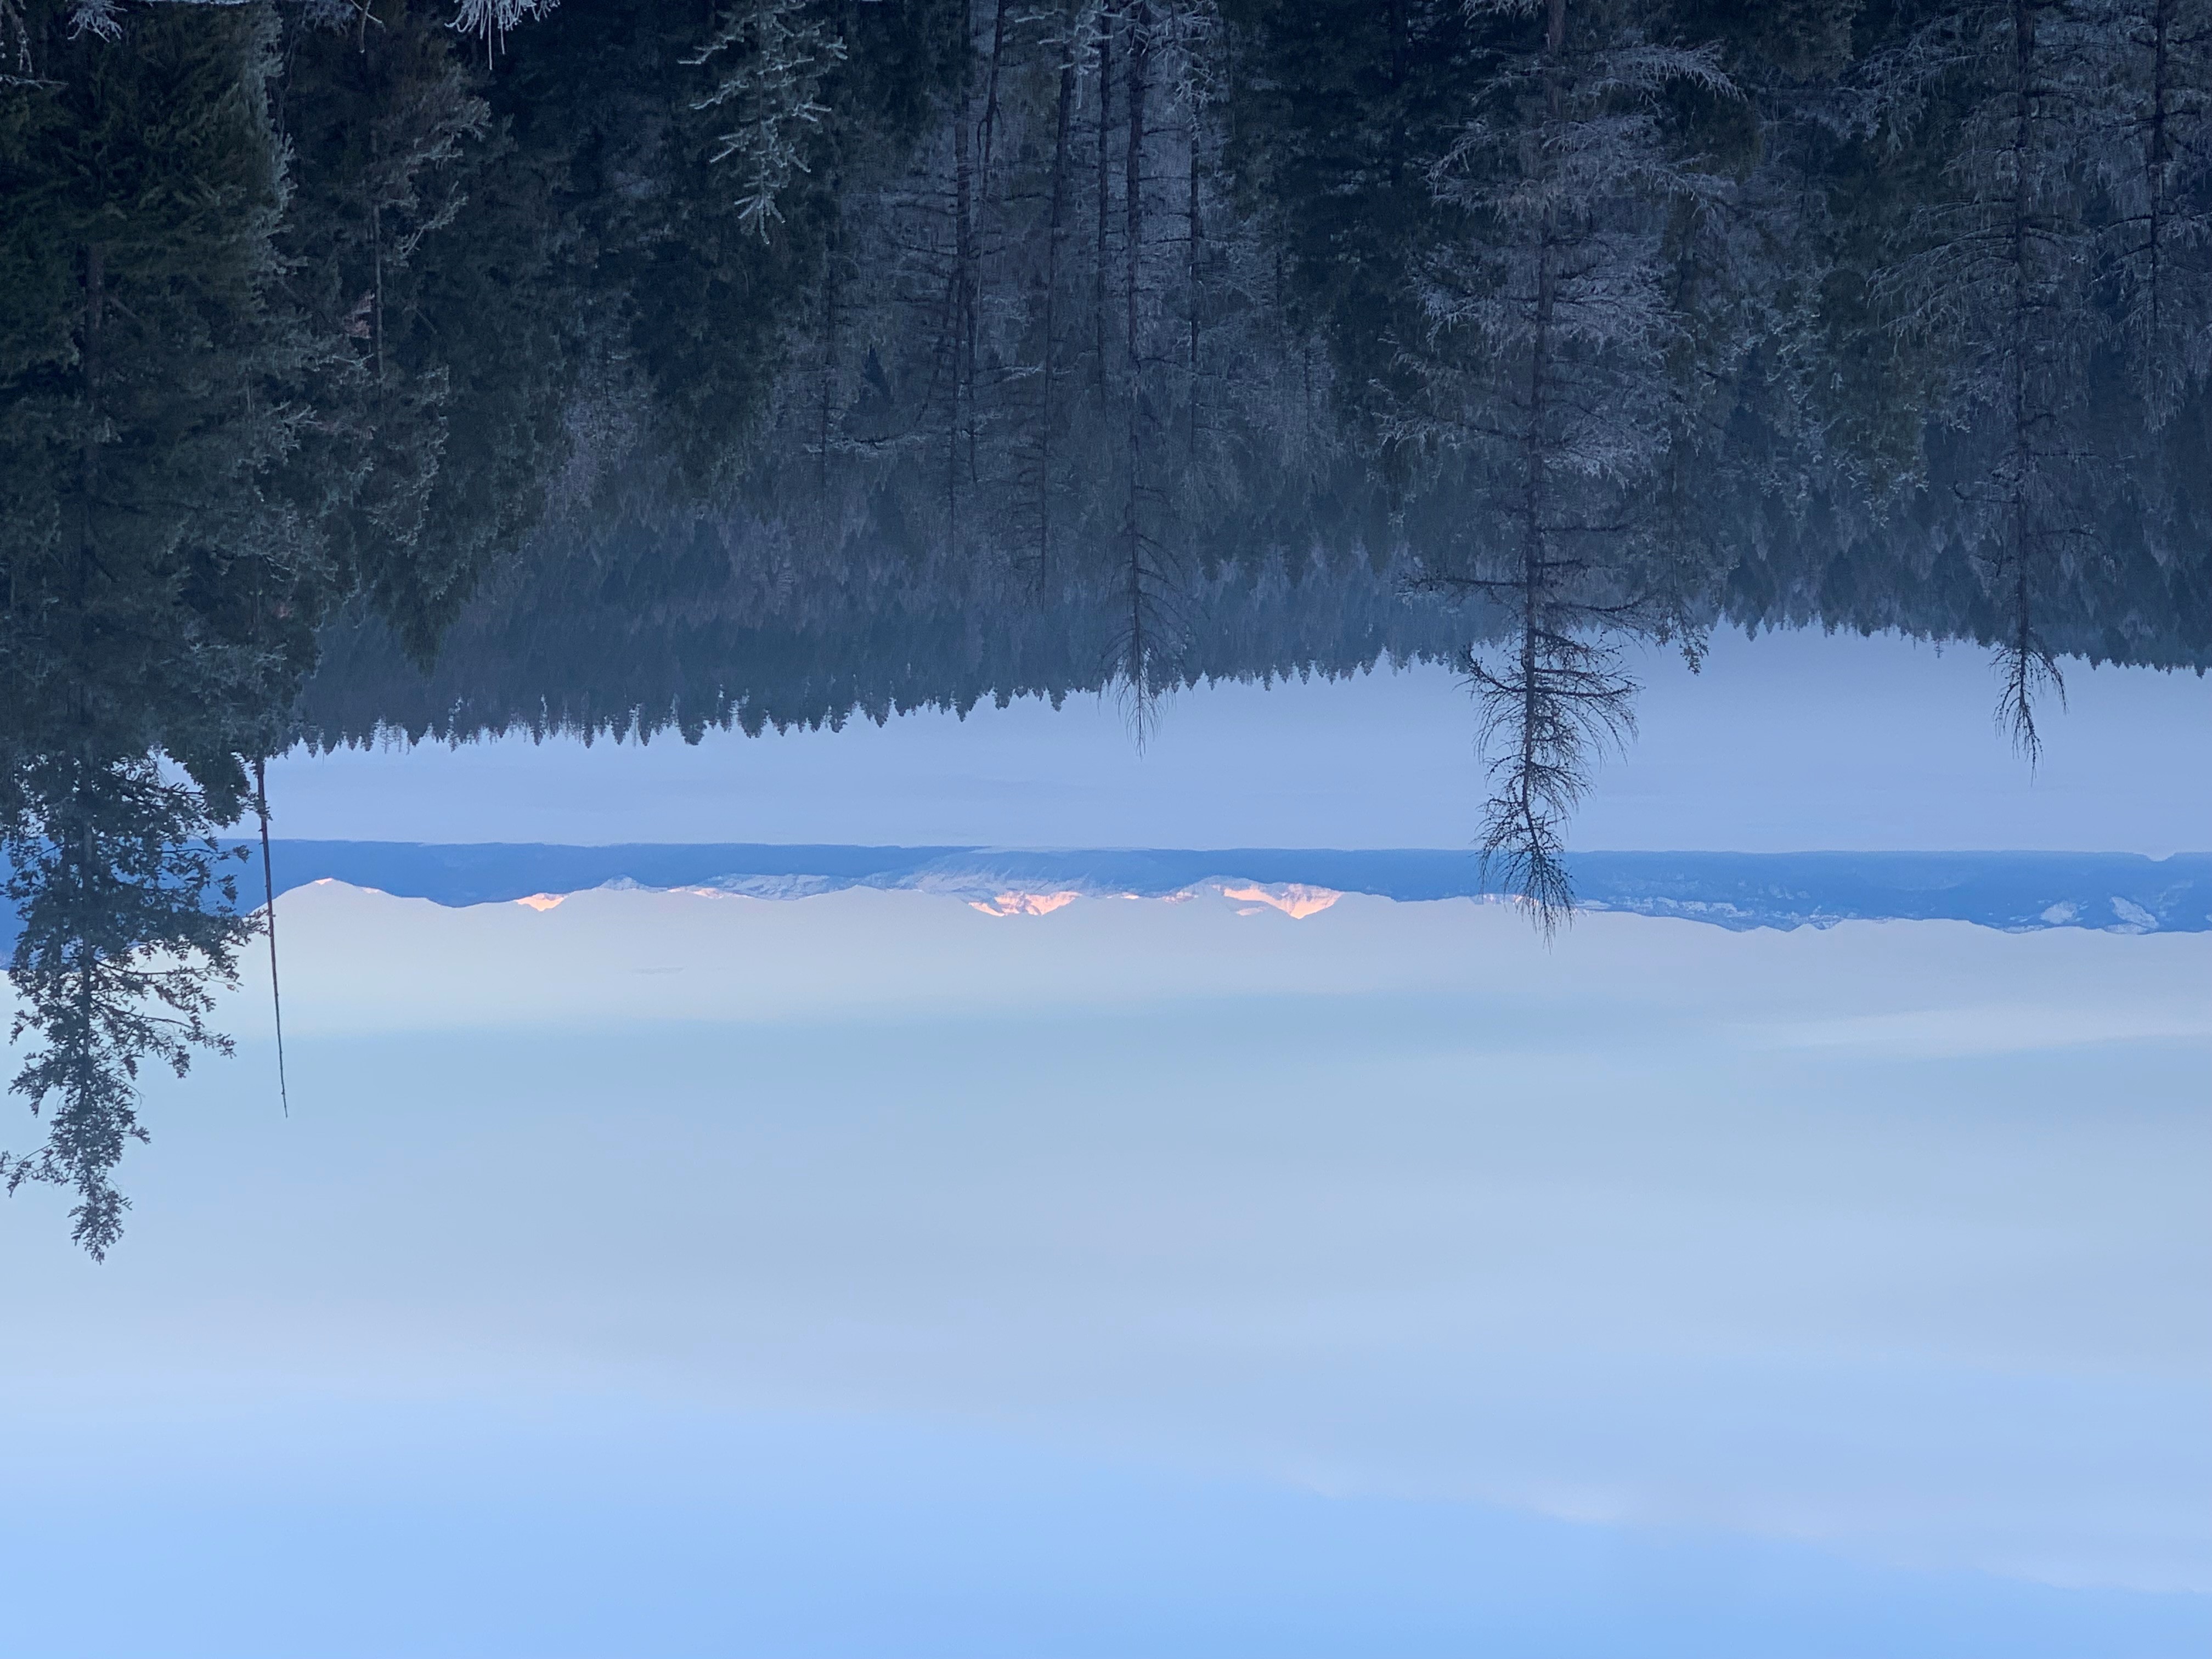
pixel 1294 899
pixel 1024 904
pixel 542 900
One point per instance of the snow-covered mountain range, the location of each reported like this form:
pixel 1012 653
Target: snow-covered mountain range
pixel 2112 892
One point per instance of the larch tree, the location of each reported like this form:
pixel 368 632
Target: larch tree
pixel 1545 375
pixel 1992 273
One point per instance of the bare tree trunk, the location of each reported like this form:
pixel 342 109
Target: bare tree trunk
pixel 965 258
pixel 95 317
pixel 2022 654
pixel 376 252
pixel 1400 66
pixel 1143 648
pixel 1098 277
pixel 269 888
pixel 1526 838
pixel 991 94
pixel 2157 155
pixel 1534 479
pixel 1140 63
pixel 830 271
pixel 1052 307
pixel 957 294
pixel 1197 283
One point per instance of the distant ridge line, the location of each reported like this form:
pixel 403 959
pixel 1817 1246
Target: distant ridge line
pixel 2122 892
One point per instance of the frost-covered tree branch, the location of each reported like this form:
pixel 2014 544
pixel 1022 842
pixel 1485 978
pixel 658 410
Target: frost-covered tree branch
pixel 105 17
pixel 490 20
pixel 777 54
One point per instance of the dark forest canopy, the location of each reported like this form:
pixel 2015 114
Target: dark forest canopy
pixel 1123 312
pixel 611 368
pixel 795 322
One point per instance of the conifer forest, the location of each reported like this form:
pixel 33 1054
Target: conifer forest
pixel 378 370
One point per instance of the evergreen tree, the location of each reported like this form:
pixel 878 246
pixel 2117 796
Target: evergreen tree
pixel 161 592
pixel 128 916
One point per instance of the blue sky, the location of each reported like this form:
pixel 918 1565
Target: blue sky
pixel 659 1274
pixel 1789 743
